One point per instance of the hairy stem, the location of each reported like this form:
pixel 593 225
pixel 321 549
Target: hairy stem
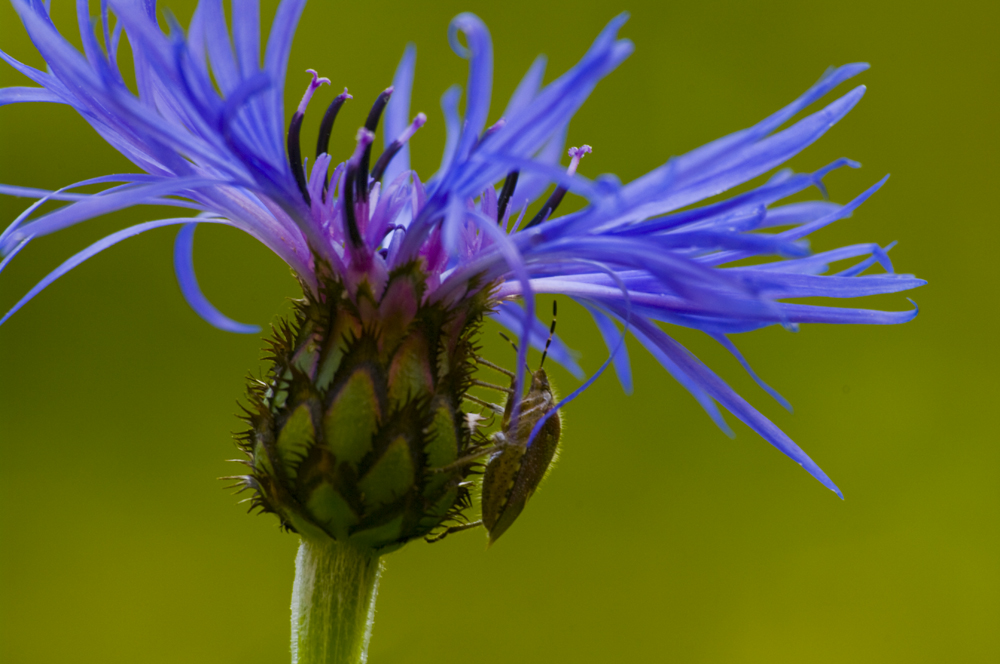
pixel 333 602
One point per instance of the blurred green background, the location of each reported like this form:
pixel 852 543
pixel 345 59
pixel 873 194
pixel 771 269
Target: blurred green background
pixel 657 539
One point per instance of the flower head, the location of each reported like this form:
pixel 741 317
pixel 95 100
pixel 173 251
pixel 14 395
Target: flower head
pixel 405 266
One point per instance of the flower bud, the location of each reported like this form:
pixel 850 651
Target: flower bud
pixel 360 407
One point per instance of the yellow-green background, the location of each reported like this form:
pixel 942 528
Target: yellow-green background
pixel 658 539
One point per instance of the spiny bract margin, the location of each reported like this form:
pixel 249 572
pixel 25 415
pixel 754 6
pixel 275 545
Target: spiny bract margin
pixel 361 405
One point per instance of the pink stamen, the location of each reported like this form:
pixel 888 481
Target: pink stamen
pixel 316 82
pixel 417 123
pixel 364 139
pixel 576 155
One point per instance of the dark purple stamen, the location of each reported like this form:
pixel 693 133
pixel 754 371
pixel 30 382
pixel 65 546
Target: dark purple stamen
pixel 294 129
pixel 576 154
pixel 378 170
pixel 326 126
pixel 350 193
pixel 383 161
pixel 550 206
pixel 497 126
pixel 505 193
pixel 295 154
pixel 374 115
pixel 371 124
pixel 350 218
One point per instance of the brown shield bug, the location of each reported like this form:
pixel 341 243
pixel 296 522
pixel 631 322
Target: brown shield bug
pixel 516 466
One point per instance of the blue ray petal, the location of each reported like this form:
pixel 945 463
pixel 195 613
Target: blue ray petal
pixel 717 389
pixel 779 285
pixel 279 46
pixel 225 69
pixel 552 107
pixel 184 267
pixel 397 113
pixel 246 35
pixel 104 203
pixel 527 88
pixel 689 183
pixel 453 128
pixel 21 95
pixel 682 377
pixel 803 313
pixel 619 351
pixel 479 53
pixel 95 249
pixel 879 255
pixel 726 343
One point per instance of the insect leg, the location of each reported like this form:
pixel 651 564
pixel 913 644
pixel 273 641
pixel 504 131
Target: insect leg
pixel 485 404
pixel 453 529
pixel 470 458
pixel 491 386
pixel 486 363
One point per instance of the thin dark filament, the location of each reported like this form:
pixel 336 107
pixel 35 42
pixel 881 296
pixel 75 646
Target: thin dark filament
pixel 505 194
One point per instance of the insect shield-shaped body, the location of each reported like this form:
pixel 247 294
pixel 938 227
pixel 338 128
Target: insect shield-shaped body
pixel 517 464
pixel 517 467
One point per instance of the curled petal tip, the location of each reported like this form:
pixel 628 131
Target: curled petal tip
pixel 465 22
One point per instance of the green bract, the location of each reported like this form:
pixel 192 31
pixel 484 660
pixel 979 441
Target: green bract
pixel 360 407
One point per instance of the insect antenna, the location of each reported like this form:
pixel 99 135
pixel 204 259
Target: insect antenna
pixel 509 340
pixel 552 331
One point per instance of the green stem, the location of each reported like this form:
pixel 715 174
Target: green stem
pixel 333 602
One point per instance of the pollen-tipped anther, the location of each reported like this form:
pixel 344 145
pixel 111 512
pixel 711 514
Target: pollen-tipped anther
pixel 576 154
pixel 494 128
pixel 383 161
pixel 294 128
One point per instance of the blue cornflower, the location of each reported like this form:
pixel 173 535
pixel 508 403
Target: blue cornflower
pixel 206 127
